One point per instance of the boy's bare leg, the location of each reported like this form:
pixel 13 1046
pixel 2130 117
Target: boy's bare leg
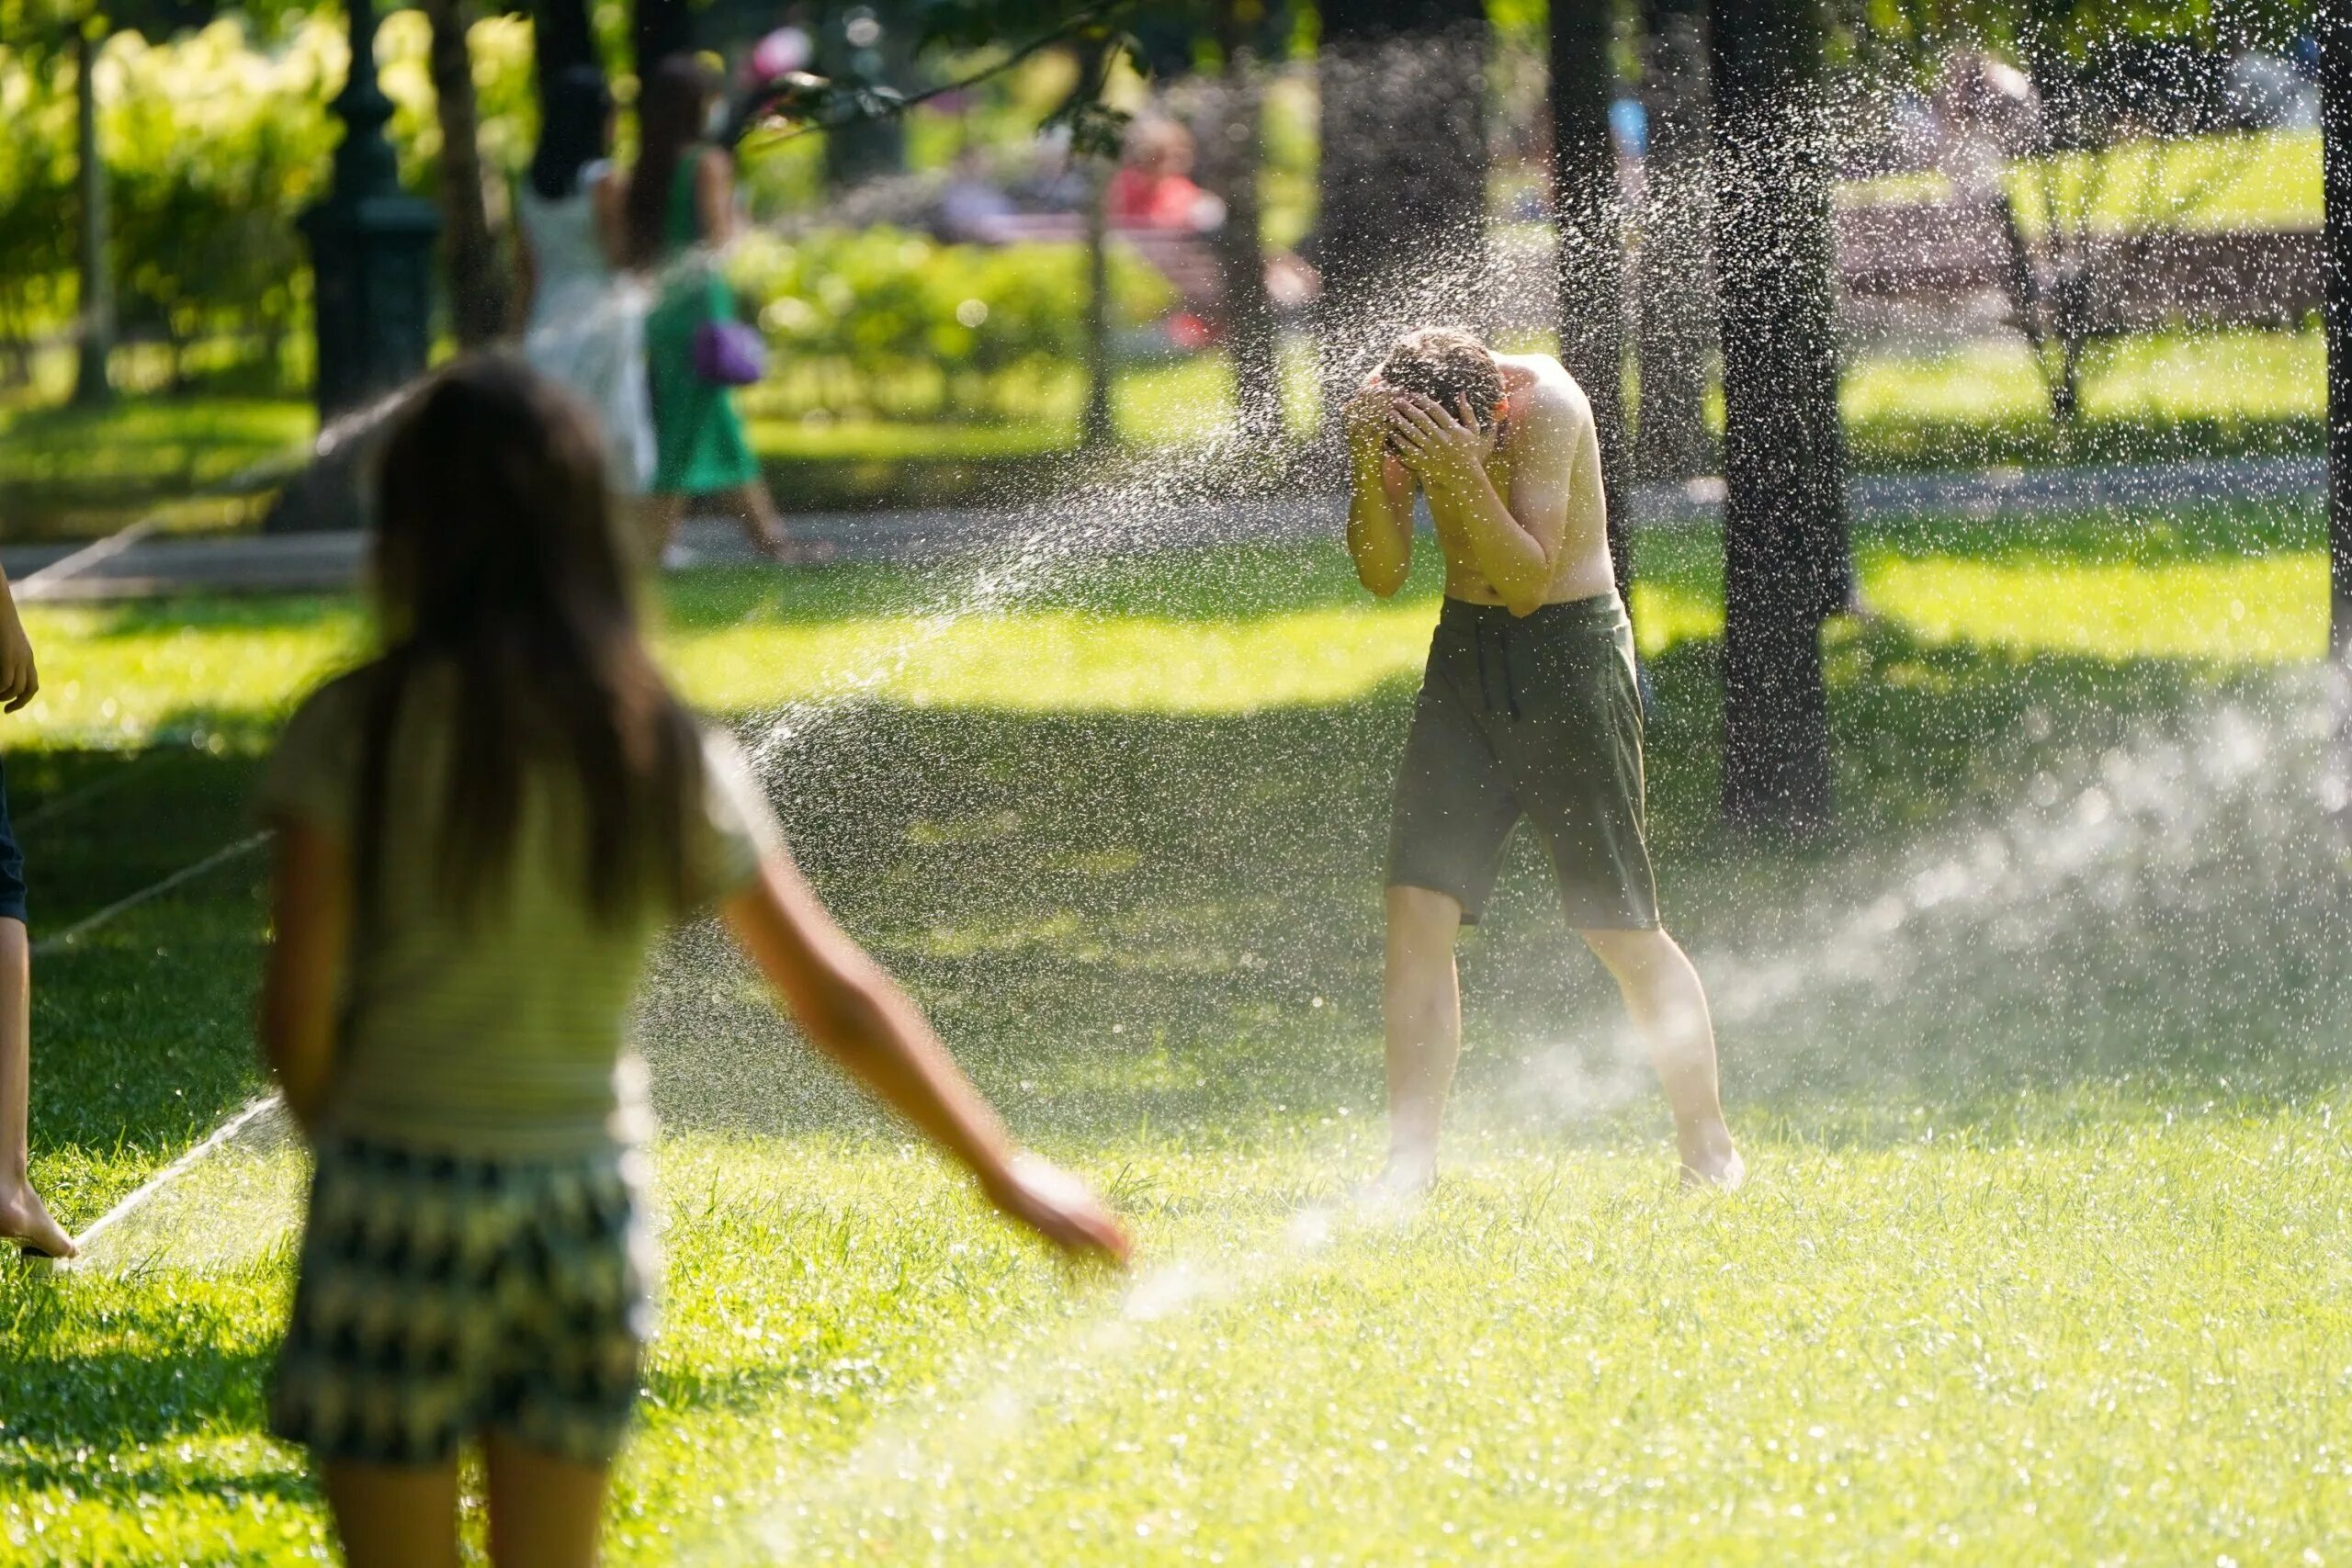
pixel 23 1217
pixel 1421 1008
pixel 1668 1008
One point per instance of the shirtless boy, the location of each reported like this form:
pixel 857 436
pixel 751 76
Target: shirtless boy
pixel 1528 707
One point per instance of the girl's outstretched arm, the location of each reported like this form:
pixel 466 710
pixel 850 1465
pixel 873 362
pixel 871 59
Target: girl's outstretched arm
pixel 309 921
pixel 857 1015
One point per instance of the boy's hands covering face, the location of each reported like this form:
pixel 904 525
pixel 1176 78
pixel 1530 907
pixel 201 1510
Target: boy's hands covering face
pixel 1442 447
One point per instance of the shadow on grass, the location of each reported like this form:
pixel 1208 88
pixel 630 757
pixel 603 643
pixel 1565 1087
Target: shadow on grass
pixel 142 1033
pixel 80 1379
pixel 1173 921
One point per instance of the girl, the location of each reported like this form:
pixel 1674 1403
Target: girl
pixel 681 200
pixel 480 836
pixel 586 322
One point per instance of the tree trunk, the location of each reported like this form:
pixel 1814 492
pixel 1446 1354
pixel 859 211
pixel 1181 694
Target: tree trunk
pixel 1095 428
pixel 660 28
pixel 92 384
pixel 1588 213
pixel 1784 561
pixel 1675 288
pixel 476 281
pixel 561 38
pixel 2333 23
pixel 1235 144
pixel 1401 235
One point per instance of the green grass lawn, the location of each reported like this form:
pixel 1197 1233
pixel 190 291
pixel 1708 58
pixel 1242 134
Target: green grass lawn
pixel 207 463
pixel 2264 180
pixel 2040 1066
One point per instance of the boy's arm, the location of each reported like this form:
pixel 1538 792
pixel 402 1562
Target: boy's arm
pixel 20 677
pixel 309 923
pixel 1519 558
pixel 1380 495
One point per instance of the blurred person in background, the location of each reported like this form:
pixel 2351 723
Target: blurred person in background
pixel 679 208
pixel 585 323
pixel 1154 188
pixel 480 834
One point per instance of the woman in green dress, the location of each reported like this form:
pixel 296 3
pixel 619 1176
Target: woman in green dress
pixel 681 207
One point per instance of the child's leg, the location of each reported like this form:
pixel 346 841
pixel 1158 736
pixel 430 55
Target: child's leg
pixel 658 516
pixel 1670 1011
pixel 545 1512
pixel 391 1516
pixel 23 1218
pixel 762 525
pixel 1422 1010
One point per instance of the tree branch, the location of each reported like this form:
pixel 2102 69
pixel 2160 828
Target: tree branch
pixel 869 106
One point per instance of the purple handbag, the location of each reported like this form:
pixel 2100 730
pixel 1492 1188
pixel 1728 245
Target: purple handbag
pixel 728 352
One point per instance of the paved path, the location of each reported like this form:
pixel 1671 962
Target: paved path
pixel 139 565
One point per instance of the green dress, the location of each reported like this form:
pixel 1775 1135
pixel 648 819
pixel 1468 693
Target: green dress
pixel 698 439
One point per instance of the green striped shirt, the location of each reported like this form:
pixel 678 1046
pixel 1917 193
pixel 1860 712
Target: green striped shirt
pixel 502 1031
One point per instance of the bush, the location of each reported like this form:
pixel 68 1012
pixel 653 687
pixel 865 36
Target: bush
pixel 213 149
pixel 881 320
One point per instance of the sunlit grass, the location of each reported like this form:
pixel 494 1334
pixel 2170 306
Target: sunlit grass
pixel 122 677
pixel 2265 180
pixel 2044 1258
pixel 2100 1332
pixel 2158 378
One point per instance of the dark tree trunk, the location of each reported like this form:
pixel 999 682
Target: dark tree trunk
pixel 1400 235
pixel 93 383
pixel 1095 425
pixel 1784 557
pixel 660 30
pixel 1675 288
pixel 1589 215
pixel 1235 144
pixel 2335 28
pixel 561 38
pixel 476 281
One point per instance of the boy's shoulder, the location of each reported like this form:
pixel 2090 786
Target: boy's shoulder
pixel 1548 397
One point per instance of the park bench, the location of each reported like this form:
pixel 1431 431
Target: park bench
pixel 1185 259
pixel 1934 252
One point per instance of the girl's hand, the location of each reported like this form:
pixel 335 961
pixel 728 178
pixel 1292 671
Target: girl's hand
pixel 1059 1208
pixel 1439 447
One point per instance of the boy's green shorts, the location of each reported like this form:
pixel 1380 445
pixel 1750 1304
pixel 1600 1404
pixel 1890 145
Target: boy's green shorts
pixel 1536 716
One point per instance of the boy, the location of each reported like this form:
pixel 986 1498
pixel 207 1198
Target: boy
pixel 1529 706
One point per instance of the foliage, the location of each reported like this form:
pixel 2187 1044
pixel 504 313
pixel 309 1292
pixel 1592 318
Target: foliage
pixel 881 317
pixel 212 149
pixel 36 190
pixel 214 145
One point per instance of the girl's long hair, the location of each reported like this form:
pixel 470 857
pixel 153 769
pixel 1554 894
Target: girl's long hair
pixel 669 124
pixel 500 565
pixel 574 123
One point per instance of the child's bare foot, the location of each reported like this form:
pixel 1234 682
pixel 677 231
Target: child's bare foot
pixel 23 1219
pixel 1711 1160
pixel 1403 1186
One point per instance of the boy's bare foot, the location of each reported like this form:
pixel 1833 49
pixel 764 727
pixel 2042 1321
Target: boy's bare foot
pixel 1711 1160
pixel 1403 1186
pixel 23 1219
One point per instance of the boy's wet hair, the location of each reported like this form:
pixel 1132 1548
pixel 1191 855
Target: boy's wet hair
pixel 1449 367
